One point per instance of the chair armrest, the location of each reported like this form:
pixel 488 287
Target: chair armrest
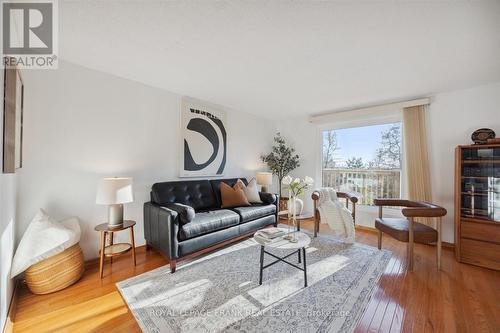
pixel 413 208
pixel 161 226
pixel 351 196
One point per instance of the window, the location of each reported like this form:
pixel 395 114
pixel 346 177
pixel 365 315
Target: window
pixel 366 160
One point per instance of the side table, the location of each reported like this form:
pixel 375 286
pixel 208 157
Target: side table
pixel 283 215
pixel 112 250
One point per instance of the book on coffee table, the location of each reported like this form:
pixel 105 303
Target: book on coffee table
pixel 271 233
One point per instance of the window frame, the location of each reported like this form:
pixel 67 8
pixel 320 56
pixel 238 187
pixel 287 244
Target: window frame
pixel 386 118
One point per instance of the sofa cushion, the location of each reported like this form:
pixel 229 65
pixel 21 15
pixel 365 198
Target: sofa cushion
pixel 268 198
pixel 186 213
pixel 251 191
pixel 232 196
pixel 195 193
pixel 216 187
pixel 254 212
pixel 206 222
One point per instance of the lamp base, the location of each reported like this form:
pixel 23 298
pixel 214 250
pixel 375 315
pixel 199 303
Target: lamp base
pixel 115 215
pixel 263 188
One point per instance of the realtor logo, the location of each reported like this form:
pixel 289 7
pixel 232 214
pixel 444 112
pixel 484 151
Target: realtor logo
pixel 29 34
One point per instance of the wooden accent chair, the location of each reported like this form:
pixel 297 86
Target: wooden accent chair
pixel 348 196
pixel 406 229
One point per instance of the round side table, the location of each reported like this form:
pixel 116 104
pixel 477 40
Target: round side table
pixel 112 250
pixel 303 241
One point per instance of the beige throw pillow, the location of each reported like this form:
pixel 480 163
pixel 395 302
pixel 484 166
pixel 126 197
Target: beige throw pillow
pixel 251 191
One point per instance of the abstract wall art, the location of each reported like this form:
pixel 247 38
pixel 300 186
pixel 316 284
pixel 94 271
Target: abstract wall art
pixel 203 139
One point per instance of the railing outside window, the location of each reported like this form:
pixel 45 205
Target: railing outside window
pixel 369 183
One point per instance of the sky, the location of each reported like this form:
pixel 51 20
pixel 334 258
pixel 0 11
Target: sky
pixel 359 141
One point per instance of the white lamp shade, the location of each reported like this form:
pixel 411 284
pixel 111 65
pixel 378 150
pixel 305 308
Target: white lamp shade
pixel 113 191
pixel 264 178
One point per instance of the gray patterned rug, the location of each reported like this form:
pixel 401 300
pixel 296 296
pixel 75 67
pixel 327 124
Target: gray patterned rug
pixel 219 292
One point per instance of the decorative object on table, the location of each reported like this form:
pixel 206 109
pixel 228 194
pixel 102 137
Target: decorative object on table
pixel 329 210
pixel 493 141
pixel 204 139
pixel 482 135
pixel 264 179
pixel 112 249
pixel 281 243
pixel 12 120
pixel 341 280
pixel 114 192
pixel 281 160
pixel 251 191
pixel 296 187
pixel 49 254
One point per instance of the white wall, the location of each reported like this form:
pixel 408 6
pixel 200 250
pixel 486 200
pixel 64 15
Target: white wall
pixel 81 125
pixel 453 116
pixel 7 225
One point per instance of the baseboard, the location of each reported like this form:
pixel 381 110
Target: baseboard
pixel 365 228
pixel 448 245
pixel 11 315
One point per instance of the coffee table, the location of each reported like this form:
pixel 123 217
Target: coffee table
pixel 303 240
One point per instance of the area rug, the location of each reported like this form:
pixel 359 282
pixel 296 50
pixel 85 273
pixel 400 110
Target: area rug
pixel 219 292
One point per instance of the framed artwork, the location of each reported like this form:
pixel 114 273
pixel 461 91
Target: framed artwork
pixel 203 139
pixel 13 120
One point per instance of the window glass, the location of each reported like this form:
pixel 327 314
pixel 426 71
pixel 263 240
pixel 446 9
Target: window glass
pixel 366 160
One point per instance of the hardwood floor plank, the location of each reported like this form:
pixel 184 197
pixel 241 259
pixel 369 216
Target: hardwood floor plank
pixel 459 298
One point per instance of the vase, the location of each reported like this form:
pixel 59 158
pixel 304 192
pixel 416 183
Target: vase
pixel 296 205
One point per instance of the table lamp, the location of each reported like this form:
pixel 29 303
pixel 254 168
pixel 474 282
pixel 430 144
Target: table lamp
pixel 265 179
pixel 114 192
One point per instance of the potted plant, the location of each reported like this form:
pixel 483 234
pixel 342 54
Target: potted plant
pixel 281 160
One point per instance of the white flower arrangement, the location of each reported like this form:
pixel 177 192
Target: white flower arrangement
pixel 297 186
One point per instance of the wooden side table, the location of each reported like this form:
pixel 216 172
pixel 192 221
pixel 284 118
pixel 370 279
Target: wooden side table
pixel 112 250
pixel 283 215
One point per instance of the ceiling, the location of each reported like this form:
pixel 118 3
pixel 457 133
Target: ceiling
pixel 288 58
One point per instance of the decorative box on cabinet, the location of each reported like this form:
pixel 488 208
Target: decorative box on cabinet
pixel 477 205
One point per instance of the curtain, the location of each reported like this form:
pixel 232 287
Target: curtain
pixel 416 156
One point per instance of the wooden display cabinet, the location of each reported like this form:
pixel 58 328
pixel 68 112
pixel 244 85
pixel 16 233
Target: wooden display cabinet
pixel 477 205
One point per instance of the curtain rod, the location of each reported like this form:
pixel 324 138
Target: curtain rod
pixel 366 111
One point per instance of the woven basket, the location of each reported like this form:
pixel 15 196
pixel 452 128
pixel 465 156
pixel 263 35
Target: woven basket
pixel 57 272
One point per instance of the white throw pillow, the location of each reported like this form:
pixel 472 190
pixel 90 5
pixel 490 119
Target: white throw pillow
pixel 251 191
pixel 44 238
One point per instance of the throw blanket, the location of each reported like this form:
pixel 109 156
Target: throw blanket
pixel 335 214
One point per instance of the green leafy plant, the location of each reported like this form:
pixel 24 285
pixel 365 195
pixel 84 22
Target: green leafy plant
pixel 281 160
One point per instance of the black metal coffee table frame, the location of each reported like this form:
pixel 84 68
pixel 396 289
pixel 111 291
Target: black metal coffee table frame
pixel 262 267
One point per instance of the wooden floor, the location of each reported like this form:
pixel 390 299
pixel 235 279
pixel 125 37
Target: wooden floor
pixel 459 298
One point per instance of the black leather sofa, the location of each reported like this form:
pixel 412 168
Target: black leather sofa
pixel 184 217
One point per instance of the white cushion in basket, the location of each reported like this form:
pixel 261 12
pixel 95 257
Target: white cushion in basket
pixel 44 238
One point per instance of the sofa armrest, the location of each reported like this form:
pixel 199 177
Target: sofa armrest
pixel 161 226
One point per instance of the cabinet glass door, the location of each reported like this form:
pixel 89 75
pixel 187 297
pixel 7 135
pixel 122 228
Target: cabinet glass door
pixel 480 181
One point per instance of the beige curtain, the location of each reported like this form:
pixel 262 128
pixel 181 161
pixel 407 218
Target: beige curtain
pixel 416 155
